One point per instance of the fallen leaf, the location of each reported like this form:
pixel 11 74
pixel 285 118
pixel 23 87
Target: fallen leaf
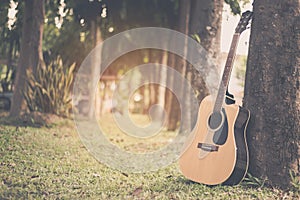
pixel 137 191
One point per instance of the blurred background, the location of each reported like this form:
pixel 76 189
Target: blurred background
pixel 43 43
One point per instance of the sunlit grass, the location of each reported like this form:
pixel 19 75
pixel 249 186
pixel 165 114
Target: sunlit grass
pixel 52 163
pixel 133 143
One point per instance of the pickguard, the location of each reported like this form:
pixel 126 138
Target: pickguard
pixel 221 135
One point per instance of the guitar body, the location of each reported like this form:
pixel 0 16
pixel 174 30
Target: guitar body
pixel 214 160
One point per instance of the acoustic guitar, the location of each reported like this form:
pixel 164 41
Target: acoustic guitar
pixel 217 153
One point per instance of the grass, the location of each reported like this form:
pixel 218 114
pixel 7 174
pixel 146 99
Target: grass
pixel 135 144
pixel 51 163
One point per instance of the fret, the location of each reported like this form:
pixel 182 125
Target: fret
pixel 226 74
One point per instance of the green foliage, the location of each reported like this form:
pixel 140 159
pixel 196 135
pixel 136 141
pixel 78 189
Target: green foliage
pixel 9 38
pixel 196 37
pixel 6 78
pixel 240 66
pixel 49 90
pixel 124 15
pixel 295 181
pixel 254 181
pixel 235 6
pixel 67 43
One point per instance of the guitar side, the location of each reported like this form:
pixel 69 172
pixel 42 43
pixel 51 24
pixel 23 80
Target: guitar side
pixel 242 162
pixel 217 166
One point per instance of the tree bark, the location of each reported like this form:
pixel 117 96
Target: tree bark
pixel 180 66
pixel 205 21
pixel 202 17
pixel 171 125
pixel 272 91
pixel 206 18
pixel 31 55
pixel 94 95
pixel 163 79
pixel 154 75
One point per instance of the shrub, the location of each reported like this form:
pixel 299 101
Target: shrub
pixel 48 91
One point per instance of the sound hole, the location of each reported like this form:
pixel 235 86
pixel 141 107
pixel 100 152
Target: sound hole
pixel 215 120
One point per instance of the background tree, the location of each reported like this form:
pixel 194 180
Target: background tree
pixel 272 91
pixel 201 18
pixel 31 54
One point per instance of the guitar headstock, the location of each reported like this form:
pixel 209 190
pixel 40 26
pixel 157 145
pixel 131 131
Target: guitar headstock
pixel 244 21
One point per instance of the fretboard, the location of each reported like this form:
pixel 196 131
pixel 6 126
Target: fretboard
pixel 226 74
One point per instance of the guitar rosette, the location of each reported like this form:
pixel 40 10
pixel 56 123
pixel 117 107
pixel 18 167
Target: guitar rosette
pixel 93 133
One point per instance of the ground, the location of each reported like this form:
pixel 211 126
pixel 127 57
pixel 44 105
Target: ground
pixel 50 162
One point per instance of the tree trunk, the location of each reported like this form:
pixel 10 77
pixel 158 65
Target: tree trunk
pixel 180 65
pixel 163 79
pixel 202 17
pixel 169 95
pixel 206 18
pixel 205 21
pixel 31 55
pixel 272 91
pixel 94 95
pixel 154 77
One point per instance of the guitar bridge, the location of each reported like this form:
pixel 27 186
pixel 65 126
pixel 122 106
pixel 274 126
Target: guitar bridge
pixel 208 147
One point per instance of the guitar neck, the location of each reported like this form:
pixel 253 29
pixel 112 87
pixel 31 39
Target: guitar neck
pixel 226 74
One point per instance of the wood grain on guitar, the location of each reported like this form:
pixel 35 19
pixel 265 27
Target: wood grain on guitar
pixel 217 152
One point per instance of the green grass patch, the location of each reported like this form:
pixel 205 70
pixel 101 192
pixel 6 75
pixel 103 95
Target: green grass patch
pixel 52 163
